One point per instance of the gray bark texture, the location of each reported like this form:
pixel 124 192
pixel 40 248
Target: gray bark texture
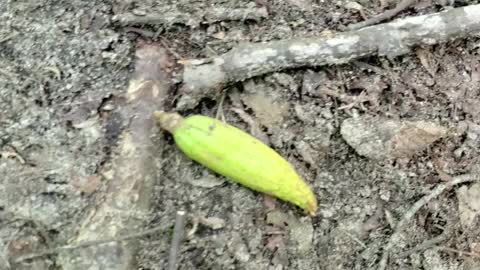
pixel 125 205
pixel 206 77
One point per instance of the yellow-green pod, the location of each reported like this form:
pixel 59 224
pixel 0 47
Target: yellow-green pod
pixel 238 156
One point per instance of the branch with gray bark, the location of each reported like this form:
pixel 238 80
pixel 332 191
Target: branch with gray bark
pixel 206 77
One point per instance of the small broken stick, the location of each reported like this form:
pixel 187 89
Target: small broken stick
pixel 404 4
pixel 178 235
pixel 87 244
pixel 414 209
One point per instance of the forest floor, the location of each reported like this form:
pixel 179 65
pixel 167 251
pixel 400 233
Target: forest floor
pixel 64 63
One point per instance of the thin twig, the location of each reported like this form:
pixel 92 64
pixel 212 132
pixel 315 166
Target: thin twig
pixel 220 113
pixel 460 252
pixel 178 234
pixel 254 126
pixel 8 37
pixel 414 209
pixel 383 16
pixel 87 244
pixel 354 238
pixel 424 245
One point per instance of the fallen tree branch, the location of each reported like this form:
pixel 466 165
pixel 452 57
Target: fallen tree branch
pixel 404 4
pixel 86 244
pixel 175 16
pixel 125 205
pixel 407 217
pixel 205 77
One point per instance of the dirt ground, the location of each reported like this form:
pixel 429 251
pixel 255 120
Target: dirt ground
pixel 63 63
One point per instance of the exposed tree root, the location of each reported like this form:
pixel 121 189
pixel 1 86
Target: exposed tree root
pixel 125 205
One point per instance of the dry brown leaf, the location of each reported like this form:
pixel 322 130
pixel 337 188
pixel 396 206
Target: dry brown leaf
pixel 379 138
pixel 414 137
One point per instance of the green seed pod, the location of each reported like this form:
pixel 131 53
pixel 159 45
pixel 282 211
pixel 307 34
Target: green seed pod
pixel 238 156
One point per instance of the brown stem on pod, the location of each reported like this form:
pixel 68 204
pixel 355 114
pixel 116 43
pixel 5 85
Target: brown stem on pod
pixel 168 121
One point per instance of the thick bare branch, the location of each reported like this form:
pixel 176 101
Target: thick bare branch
pixel 204 78
pixel 126 202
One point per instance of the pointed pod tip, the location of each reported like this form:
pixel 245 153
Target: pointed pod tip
pixel 168 121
